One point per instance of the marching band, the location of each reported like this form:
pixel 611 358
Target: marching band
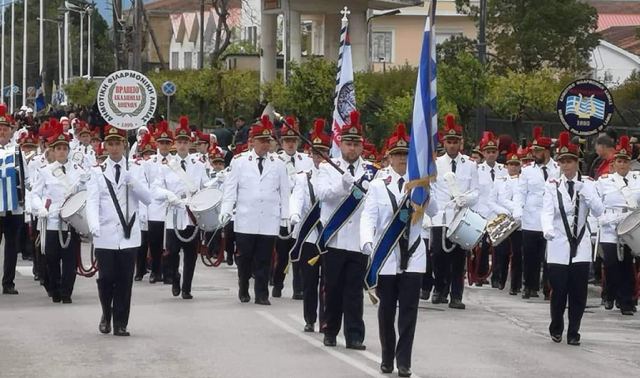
pixel 340 225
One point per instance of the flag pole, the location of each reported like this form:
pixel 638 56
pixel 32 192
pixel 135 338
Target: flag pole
pixel 2 53
pixel 13 56
pixel 24 53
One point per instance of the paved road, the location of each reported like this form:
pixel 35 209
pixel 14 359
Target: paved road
pixel 214 335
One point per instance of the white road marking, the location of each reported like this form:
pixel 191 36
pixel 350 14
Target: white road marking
pixel 318 344
pixel 364 353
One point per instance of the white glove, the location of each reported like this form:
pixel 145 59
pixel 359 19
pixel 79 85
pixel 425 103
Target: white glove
pixel 294 219
pixel 367 248
pixel 95 233
pixel 43 213
pixel 461 201
pixel 549 235
pixel 85 177
pixel 224 218
pixel 172 199
pixel 348 180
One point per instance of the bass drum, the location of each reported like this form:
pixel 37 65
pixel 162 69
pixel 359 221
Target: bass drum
pixel 205 206
pixel 629 232
pixel 74 212
pixel 466 229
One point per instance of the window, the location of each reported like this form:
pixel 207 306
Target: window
pixel 188 60
pixel 175 60
pixel 382 46
pixel 443 36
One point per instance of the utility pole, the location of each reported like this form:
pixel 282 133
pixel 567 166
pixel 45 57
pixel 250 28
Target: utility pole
pixel 136 61
pixel 201 58
pixel 481 113
pixel 117 33
pixel 66 42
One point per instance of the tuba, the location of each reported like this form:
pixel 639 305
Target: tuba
pixel 500 227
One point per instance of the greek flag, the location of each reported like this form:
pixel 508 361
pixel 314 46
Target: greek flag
pixel 580 105
pixel 8 181
pixel 40 101
pixel 345 96
pixel 421 165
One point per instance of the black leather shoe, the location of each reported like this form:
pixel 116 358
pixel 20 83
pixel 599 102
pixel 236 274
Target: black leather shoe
pixel 229 260
pixel 356 345
pixel 10 291
pixel 153 279
pixel 526 294
pixel 298 296
pixel 386 368
pixel 404 372
pixel 244 297
pixel 105 326
pixel 556 338
pixel 444 299
pixel 608 305
pixel 329 341
pixel 534 294
pixel 56 299
pixel 137 278
pixel 263 301
pixel 36 277
pixel 120 331
pixel 167 281
pixel 66 300
pixel 435 297
pixel 175 286
pixel 457 304
pixel 478 284
pixel 495 285
pixel 575 341
pixel 186 295
pixel 513 292
pixel 500 287
pixel 627 311
pixel 308 327
pixel 424 295
pixel 276 292
pixel 547 297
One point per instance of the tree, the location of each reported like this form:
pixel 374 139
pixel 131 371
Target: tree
pixel 463 82
pixel 527 35
pixel 82 92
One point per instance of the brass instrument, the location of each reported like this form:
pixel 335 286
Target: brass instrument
pixel 500 227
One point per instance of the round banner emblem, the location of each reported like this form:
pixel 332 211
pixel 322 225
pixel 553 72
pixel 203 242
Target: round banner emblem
pixel 346 101
pixel 127 99
pixel 585 107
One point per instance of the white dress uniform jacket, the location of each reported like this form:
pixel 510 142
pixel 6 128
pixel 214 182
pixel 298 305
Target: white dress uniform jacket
pixel 619 200
pixel 54 185
pixel 172 179
pixel 261 200
pixel 466 180
pixel 502 195
pixel 295 163
pixel 484 206
pixel 138 169
pixel 103 219
pixel 528 197
pixel 558 251
pixel 331 193
pixel 377 214
pixel 157 209
pixel 83 155
pixel 300 202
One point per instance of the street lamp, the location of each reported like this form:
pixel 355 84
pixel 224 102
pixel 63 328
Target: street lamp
pixel 59 23
pixel 82 8
pixel 370 32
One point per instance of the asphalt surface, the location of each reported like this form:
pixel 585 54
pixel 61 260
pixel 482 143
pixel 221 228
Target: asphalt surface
pixel 214 335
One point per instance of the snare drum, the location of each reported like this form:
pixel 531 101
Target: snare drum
pixel 629 232
pixel 73 211
pixel 466 229
pixel 205 206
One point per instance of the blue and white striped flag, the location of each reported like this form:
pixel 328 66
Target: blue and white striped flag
pixel 421 165
pixel 345 95
pixel 40 102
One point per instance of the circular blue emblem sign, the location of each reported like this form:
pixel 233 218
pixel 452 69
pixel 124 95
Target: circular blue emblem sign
pixel 585 107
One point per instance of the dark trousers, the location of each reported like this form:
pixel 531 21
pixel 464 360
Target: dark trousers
pixel 509 252
pixel 229 240
pixel 448 267
pixel 312 285
pixel 279 270
pixel 483 260
pixel 401 291
pixel 427 279
pixel 61 263
pixel 254 256
pixel 190 256
pixel 619 275
pixel 141 259
pixel 23 241
pixel 568 282
pixel 11 224
pixel 156 238
pixel 115 279
pixel 533 250
pixel 344 273
pixel 213 242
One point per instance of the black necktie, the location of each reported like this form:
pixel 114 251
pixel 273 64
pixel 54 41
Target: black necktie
pixel 183 164
pixel 626 182
pixel 117 173
pixel 544 173
pixel 493 175
pixel 453 166
pixel 352 170
pixel 64 170
pixel 570 188
pixel 400 183
pixel 293 161
pixel 260 159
